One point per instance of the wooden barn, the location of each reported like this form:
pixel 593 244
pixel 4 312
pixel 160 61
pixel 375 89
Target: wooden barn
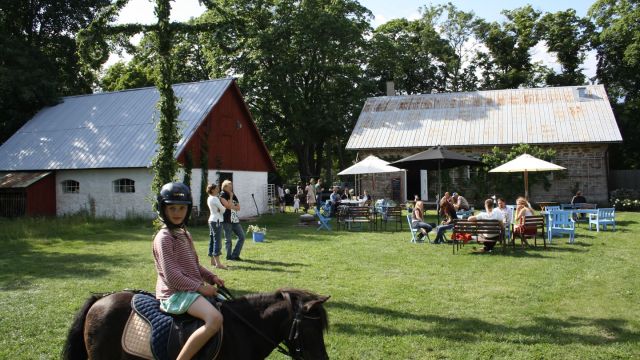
pixel 576 121
pixel 93 152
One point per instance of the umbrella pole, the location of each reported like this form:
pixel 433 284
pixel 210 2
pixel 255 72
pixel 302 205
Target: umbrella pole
pixel 526 185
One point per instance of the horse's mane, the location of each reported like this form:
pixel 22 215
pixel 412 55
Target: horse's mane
pixel 275 301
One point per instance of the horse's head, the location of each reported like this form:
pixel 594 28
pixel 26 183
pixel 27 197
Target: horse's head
pixel 305 338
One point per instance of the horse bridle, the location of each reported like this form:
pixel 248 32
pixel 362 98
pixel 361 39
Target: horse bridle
pixel 295 333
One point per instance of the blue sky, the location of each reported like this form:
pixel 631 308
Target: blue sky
pixel 487 9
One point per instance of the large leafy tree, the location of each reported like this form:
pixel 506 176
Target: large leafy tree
pixel 507 65
pixel 300 65
pixel 38 60
pixel 617 42
pixel 567 36
pixel 102 36
pixel 409 53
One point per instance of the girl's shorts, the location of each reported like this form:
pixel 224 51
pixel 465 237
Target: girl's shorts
pixel 179 302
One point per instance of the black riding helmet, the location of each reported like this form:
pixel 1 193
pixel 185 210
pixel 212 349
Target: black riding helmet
pixel 174 193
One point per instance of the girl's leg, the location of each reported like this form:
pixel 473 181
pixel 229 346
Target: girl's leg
pixel 217 245
pixel 201 309
pixel 227 238
pixel 237 229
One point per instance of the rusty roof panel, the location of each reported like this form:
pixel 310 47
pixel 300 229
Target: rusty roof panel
pixel 496 117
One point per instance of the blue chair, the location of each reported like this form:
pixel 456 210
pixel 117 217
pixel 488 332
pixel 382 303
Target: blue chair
pixel 552 208
pixel 324 221
pixel 414 232
pixel 604 217
pixel 561 222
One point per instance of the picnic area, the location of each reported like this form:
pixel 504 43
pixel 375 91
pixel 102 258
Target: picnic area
pixel 390 298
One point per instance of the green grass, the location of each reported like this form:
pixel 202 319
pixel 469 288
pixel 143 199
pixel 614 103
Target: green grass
pixel 390 299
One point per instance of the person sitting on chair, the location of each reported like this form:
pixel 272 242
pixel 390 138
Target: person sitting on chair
pixel 523 209
pixel 335 200
pixel 417 221
pixel 459 202
pixel 488 240
pixel 448 212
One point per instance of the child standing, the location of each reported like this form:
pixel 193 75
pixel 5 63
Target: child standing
pixel 296 203
pixel 182 282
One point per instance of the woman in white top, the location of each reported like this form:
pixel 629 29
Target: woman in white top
pixel 216 209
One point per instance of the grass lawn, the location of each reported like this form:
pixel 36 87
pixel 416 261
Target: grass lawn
pixel 390 299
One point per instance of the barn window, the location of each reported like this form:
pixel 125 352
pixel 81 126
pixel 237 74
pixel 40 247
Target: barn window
pixel 124 186
pixel 70 187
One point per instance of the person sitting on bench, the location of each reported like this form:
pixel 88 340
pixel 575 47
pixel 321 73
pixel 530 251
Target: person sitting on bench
pixel 489 240
pixel 448 212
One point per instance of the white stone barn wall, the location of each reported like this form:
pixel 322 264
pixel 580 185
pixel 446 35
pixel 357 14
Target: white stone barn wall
pixel 97 196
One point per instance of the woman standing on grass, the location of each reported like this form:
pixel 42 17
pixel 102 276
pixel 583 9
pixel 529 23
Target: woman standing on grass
pixel 231 220
pixel 182 282
pixel 215 225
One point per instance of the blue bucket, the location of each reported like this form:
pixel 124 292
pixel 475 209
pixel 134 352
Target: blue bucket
pixel 258 237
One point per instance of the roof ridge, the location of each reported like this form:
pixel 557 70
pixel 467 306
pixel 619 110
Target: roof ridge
pixel 145 88
pixel 485 91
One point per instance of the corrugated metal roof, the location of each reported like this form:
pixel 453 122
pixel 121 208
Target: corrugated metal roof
pixel 497 117
pixel 20 179
pixel 105 130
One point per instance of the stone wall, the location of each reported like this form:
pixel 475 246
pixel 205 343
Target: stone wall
pixel 587 170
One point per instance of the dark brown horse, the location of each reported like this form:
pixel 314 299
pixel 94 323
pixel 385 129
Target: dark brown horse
pixel 254 325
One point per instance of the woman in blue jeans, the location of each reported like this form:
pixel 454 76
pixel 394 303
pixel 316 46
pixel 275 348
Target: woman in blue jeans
pixel 231 221
pixel 449 213
pixel 417 221
pixel 215 228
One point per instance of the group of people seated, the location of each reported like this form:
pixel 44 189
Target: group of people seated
pixel 337 197
pixel 495 209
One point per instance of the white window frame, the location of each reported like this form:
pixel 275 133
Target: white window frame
pixel 124 186
pixel 71 186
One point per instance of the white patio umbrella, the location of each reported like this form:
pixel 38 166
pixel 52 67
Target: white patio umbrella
pixel 370 165
pixel 526 163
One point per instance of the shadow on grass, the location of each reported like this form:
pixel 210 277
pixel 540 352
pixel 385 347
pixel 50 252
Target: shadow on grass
pixel 544 330
pixel 271 263
pixel 21 265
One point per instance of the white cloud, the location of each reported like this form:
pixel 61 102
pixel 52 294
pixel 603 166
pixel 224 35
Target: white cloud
pixel 378 20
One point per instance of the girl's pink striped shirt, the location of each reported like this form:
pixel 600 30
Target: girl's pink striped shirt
pixel 177 263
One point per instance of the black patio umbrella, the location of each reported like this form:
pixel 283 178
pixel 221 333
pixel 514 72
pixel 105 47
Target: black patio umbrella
pixel 435 158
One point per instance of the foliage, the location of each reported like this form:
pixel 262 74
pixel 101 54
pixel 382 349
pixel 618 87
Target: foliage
pixel 568 36
pixel 38 61
pixel 204 167
pixel 300 65
pixel 617 42
pixel 507 65
pixel 188 167
pixel 256 229
pixel 49 267
pixel 510 185
pixel 625 199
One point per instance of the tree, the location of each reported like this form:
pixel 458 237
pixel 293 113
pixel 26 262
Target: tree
pixel 95 43
pixel 617 42
pixel 299 64
pixel 409 53
pixel 38 61
pixel 508 65
pixel 568 36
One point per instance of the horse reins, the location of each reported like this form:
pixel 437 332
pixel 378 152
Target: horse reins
pixel 294 332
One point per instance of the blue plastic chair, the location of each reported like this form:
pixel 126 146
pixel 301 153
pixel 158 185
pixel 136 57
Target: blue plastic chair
pixel 561 222
pixel 604 217
pixel 324 221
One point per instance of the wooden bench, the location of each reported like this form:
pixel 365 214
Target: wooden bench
pixel 358 215
pixel 477 228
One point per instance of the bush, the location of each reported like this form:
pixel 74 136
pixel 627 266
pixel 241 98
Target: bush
pixel 625 199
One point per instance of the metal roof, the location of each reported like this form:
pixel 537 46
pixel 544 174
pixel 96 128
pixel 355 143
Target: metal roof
pixel 106 130
pixel 20 179
pixel 573 114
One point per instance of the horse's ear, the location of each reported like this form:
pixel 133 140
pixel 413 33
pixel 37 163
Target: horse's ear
pixel 313 303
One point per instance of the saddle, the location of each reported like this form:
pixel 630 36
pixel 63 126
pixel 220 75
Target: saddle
pixel 155 335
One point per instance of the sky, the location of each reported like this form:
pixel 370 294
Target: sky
pixel 141 11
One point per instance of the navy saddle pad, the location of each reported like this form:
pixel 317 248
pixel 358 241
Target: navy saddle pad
pixel 170 332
